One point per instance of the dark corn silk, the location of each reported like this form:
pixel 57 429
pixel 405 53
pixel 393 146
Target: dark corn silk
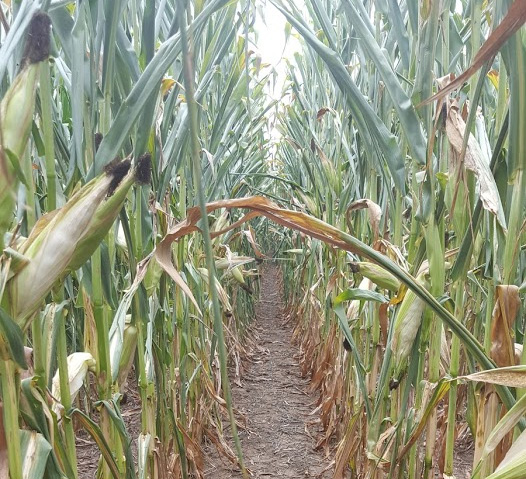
pixel 143 172
pixel 355 267
pixel 393 384
pixel 98 141
pixel 117 169
pixel 37 40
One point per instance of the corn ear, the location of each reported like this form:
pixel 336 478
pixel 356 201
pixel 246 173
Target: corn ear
pixel 51 247
pixel 153 275
pixel 229 263
pixel 297 251
pixel 128 352
pixel 17 109
pixel 108 210
pixel 222 263
pixel 331 174
pixel 7 196
pixel 238 275
pixel 220 223
pixel 78 366
pixel 103 217
pixel 309 202
pixel 354 306
pixel 120 239
pixel 408 320
pixel 18 261
pixel 377 275
pixel 16 115
pixel 518 348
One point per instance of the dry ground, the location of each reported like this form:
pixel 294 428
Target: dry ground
pixel 277 441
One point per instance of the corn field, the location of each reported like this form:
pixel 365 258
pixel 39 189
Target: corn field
pixel 146 173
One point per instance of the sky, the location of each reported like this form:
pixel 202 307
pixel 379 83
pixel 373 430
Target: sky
pixel 271 42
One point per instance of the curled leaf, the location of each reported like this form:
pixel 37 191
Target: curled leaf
pixel 375 213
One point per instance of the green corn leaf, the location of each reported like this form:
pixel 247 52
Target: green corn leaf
pixel 96 433
pixel 361 294
pixel 514 463
pixel 401 102
pixel 367 120
pixel 147 83
pixel 35 451
pixel 113 410
pixel 11 340
pixel 342 318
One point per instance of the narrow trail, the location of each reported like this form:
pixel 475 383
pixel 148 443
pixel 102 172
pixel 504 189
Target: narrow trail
pixel 279 437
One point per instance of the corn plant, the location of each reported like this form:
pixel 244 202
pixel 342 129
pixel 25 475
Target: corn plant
pixel 98 164
pixel 358 126
pixel 398 213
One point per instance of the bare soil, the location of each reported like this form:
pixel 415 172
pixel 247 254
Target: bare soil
pixel 280 435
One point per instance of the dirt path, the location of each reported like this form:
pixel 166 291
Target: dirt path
pixel 277 441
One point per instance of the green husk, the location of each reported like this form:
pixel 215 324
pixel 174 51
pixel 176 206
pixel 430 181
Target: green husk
pixel 16 116
pixel 377 275
pixel 407 323
pixel 53 246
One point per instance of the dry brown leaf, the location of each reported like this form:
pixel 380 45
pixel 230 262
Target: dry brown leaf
pixel 384 444
pixel 512 376
pixel 474 161
pixel 249 233
pixel 513 20
pixel 375 213
pixel 507 305
pixel 221 445
pixel 164 257
pixel 321 113
pixel 193 450
pixel 90 327
pixel 420 421
pixel 332 283
pixel 260 207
